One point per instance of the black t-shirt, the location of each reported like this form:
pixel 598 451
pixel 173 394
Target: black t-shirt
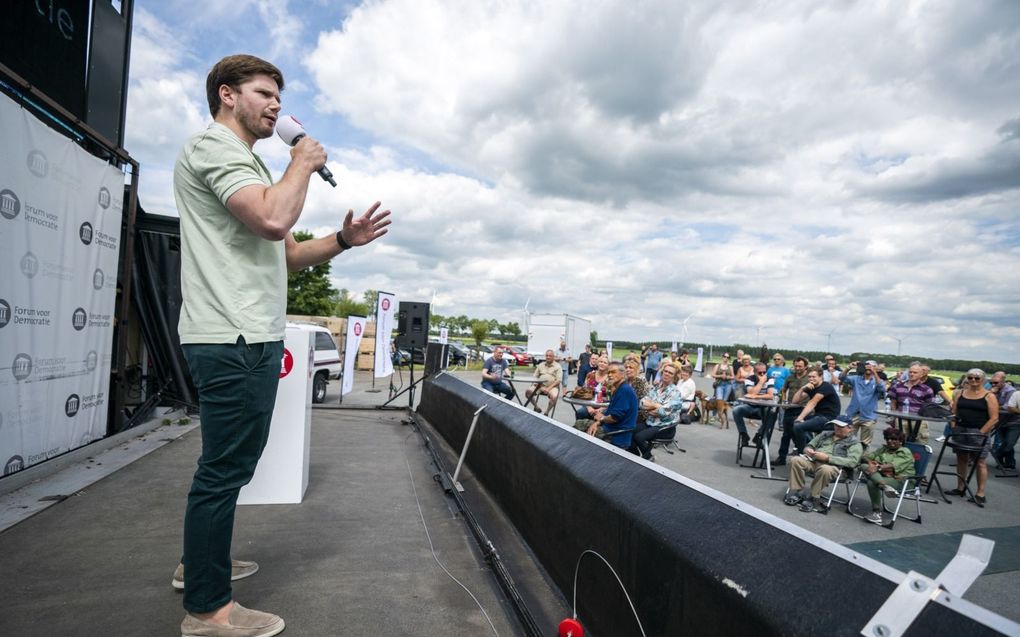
pixel 829 405
pixel 584 359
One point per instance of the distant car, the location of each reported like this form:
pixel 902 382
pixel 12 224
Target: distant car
pixel 327 359
pixel 947 384
pixel 519 354
pixel 458 354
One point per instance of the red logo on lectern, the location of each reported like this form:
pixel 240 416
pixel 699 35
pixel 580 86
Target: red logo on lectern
pixel 357 329
pixel 287 363
pixel 385 304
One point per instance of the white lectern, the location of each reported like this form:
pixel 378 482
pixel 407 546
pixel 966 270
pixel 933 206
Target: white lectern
pixel 282 474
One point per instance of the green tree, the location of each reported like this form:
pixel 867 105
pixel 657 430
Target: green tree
pixel 479 330
pixel 371 300
pixel 513 328
pixel 594 336
pixel 309 291
pixel 344 305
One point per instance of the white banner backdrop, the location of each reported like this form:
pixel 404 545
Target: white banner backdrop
pixel 385 310
pixel 355 328
pixel 60 217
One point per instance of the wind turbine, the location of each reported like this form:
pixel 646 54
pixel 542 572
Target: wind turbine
pixel 683 329
pixel 828 341
pixel 899 342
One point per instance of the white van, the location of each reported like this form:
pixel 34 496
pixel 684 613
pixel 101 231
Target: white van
pixel 327 358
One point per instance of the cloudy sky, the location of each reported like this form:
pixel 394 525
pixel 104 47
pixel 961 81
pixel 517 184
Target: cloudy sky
pixel 793 172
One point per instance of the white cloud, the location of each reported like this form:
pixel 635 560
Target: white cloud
pixel 794 168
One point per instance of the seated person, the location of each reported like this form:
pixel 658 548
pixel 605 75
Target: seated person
pixel 492 374
pixel 821 407
pixel 826 454
pixel 595 381
pixel 757 387
pixel 662 407
pixel 632 371
pixel 687 387
pixel 550 373
pixel 1008 430
pixel 621 414
pixel 885 469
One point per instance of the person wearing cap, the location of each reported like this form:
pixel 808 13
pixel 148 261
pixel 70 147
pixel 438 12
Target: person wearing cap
pixel 866 390
pixel 885 469
pixel 826 455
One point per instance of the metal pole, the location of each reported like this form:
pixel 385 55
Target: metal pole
pixel 467 441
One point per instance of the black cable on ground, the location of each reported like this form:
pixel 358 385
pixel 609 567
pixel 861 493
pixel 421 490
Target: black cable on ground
pixel 489 551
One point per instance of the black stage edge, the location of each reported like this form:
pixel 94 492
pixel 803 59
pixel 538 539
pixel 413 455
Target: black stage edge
pixel 693 560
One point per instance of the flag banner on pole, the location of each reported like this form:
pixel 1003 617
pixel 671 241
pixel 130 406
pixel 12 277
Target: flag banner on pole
pixel 699 362
pixel 674 348
pixel 355 328
pixel 609 349
pixel 444 335
pixel 386 309
pixel 60 217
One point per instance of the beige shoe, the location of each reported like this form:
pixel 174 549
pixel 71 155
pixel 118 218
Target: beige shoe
pixel 244 622
pixel 239 569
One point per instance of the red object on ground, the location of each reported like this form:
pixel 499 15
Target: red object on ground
pixel 571 628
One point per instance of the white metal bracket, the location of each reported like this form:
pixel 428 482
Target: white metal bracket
pixel 913 594
pixel 463 452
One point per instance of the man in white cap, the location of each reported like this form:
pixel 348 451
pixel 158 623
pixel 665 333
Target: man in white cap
pixel 826 455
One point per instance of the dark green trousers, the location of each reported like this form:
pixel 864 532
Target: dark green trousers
pixel 236 394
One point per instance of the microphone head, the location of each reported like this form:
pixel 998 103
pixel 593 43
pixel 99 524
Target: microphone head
pixel 289 129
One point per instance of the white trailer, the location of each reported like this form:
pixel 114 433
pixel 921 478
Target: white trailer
pixel 545 331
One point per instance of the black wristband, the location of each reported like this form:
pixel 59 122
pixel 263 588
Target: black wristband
pixel 340 241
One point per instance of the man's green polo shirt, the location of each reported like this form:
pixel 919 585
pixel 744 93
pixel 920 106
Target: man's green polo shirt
pixel 233 281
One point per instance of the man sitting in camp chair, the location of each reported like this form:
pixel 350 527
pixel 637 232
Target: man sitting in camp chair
pixel 619 416
pixel 826 455
pixel 550 373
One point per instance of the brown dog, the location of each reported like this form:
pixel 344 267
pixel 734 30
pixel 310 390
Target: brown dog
pixel 720 407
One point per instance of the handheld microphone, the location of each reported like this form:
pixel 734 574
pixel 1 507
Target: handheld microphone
pixel 291 131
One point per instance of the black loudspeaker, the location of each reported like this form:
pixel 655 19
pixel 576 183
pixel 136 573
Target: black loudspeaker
pixel 413 325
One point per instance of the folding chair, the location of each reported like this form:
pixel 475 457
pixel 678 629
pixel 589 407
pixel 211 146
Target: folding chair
pixel 666 438
pixel 967 442
pixel 606 435
pixel 911 488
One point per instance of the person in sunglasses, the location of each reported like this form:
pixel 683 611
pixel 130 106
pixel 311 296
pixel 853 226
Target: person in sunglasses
pixel 759 387
pixel 977 412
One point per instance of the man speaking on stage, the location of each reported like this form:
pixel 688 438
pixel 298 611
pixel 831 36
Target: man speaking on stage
pixel 236 250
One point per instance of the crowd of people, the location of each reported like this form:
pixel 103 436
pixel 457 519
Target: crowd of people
pixel 631 402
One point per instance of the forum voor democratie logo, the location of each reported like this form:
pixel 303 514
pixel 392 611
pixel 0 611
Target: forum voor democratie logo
pixel 5 313
pixel 79 319
pixel 85 233
pixel 71 405
pixel 21 367
pixel 29 265
pixel 15 464
pixel 10 205
pixel 104 197
pixel 98 278
pixel 38 165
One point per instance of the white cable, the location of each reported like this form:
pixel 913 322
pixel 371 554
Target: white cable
pixel 433 548
pixel 577 568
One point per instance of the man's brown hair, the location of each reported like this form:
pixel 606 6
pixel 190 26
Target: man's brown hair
pixel 233 71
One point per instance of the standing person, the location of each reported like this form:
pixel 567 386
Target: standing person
pixel 791 387
pixel 652 361
pixel 723 378
pixel 778 371
pixel 584 364
pixel 831 372
pixel 1008 429
pixel 738 361
pixel 564 357
pixel 909 396
pixel 976 411
pixel 236 250
pixel 866 390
